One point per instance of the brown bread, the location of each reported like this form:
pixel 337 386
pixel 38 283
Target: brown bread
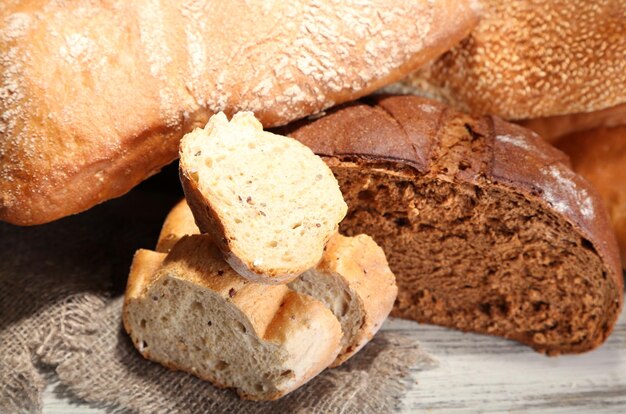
pixel 484 225
pixel 599 155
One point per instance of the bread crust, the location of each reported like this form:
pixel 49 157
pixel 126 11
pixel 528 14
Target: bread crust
pixel 401 134
pixel 554 128
pixel 362 264
pixel 96 96
pixel 599 155
pixel 529 59
pixel 275 313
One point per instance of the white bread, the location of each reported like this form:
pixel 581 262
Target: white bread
pixel 188 310
pixel 355 282
pixel 267 201
pixel 531 58
pixel 95 95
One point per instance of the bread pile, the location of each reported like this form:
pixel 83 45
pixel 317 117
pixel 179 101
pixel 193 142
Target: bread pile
pixel 269 295
pixel 487 227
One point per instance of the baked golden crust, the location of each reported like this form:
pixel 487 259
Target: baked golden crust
pixel 278 320
pixel 534 58
pixel 95 96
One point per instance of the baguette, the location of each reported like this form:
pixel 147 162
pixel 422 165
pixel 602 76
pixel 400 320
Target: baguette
pixel 267 201
pixel 485 226
pixel 353 280
pixel 188 310
pixel 95 96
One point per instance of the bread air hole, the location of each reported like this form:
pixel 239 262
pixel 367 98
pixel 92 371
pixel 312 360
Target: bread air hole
pixel 221 365
pixel 241 327
pixel 197 307
pixel 272 243
pixel 143 323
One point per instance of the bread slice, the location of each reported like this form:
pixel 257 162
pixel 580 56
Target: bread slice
pixel 353 280
pixel 269 203
pixel 189 310
pixel 485 226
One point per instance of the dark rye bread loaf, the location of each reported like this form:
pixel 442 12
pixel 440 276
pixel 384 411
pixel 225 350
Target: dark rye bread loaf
pixel 484 224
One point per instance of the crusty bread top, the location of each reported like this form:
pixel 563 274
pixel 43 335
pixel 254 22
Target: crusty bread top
pixel 599 155
pixel 406 131
pixel 534 58
pixel 269 203
pixel 94 96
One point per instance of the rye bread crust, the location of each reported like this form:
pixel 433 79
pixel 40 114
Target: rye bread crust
pixel 415 138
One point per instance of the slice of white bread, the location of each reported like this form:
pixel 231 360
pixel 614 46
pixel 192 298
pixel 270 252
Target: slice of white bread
pixel 355 282
pixel 353 279
pixel 268 202
pixel 189 310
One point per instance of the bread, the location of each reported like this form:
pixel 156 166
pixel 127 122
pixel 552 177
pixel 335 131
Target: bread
pixel 95 96
pixel 599 155
pixel 532 58
pixel 196 314
pixel 269 203
pixel 555 127
pixel 484 225
pixel 353 280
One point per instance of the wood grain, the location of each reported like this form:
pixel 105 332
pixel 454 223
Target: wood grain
pixel 485 374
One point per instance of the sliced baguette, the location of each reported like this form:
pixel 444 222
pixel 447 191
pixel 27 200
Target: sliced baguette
pixel 353 280
pixel 267 201
pixel 189 310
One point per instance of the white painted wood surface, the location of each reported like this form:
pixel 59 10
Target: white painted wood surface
pixel 485 374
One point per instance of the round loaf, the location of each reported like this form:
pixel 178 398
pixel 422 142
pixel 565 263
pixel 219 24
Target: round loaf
pixel 599 155
pixel 535 58
pixel 484 225
pixel 95 96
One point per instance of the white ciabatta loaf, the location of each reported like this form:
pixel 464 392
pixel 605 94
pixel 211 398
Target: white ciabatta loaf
pixel 95 95
pixel 353 280
pixel 189 310
pixel 267 201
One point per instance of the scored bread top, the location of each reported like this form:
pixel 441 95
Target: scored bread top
pixel 408 130
pixel 269 203
pixel 95 96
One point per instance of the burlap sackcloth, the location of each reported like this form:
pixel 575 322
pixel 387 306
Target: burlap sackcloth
pixel 60 307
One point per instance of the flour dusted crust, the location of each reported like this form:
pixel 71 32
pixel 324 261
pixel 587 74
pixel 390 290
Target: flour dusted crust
pixel 484 224
pixel 272 339
pixel 95 96
pixel 529 59
pixel 599 155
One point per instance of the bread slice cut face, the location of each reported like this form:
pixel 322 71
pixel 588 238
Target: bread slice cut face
pixel 353 280
pixel 267 201
pixel 188 310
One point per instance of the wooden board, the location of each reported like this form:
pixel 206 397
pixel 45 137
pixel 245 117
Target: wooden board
pixel 478 373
